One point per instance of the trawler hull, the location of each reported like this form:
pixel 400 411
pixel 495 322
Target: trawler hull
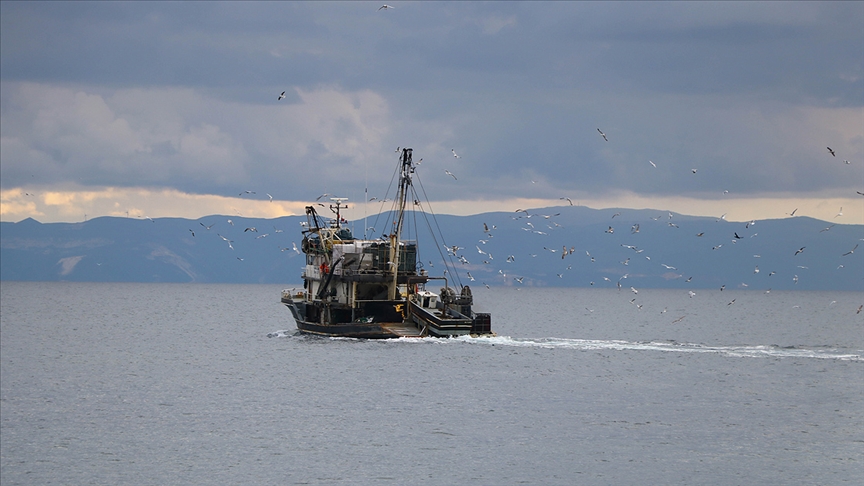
pixel 381 330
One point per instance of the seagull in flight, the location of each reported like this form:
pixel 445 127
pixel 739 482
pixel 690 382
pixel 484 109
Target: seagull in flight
pixel 800 250
pixel 652 164
pixel 450 174
pixel 322 195
pixel 603 135
pixel 281 96
pixel 840 213
pixel 384 7
pixel 454 154
pixel 205 226
pixel 227 241
pixel 832 152
pixel 851 251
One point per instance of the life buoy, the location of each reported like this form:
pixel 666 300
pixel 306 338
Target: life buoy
pixel 324 268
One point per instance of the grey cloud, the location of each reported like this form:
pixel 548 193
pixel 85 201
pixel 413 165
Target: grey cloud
pixel 521 87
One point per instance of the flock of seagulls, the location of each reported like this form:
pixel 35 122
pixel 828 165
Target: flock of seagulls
pixel 635 228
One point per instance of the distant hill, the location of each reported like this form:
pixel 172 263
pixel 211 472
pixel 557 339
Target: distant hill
pixel 644 249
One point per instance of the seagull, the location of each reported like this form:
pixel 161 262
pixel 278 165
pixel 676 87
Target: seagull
pixel 281 96
pixel 193 233
pixel 450 174
pixel 205 226
pixel 247 192
pixel 271 197
pixel 800 250
pixel 851 251
pixel 652 164
pixel 828 228
pixel 610 230
pixel 832 152
pixel 603 135
pixel 227 240
pixel 668 267
pixel 251 228
pixel 693 170
pixel 454 154
pixel 322 195
pixel 384 7
pixel 568 200
pixel 840 213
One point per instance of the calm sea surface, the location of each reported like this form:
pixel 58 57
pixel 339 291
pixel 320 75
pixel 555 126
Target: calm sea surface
pixel 180 384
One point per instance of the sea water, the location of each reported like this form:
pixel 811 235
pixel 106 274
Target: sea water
pixel 180 384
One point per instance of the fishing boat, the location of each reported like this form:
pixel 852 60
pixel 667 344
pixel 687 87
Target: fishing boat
pixel 377 288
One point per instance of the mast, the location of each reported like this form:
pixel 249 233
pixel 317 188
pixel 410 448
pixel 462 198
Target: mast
pixel 404 182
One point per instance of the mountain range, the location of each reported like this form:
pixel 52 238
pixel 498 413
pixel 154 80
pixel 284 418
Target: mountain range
pixel 562 246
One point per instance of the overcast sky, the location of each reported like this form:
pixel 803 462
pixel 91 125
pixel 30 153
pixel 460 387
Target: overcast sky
pixel 170 109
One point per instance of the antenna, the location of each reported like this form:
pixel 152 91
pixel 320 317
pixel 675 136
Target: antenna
pixel 365 195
